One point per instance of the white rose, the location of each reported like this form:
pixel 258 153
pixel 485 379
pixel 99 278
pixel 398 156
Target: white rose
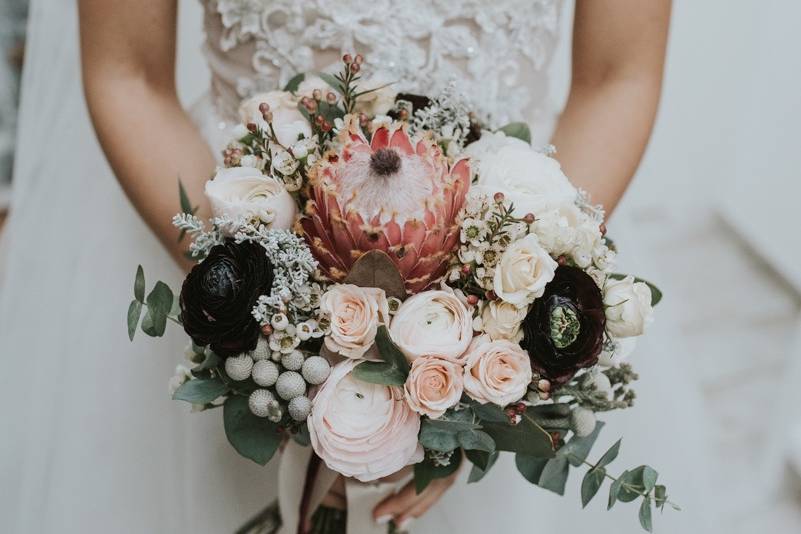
pixel 243 193
pixel 288 122
pixel 432 322
pixel 181 376
pixel 533 181
pixel 502 320
pixel 628 307
pixel 496 371
pixel 568 230
pixel 381 98
pixel 523 272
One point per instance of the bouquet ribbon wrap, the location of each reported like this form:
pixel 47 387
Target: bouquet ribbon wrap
pixel 361 497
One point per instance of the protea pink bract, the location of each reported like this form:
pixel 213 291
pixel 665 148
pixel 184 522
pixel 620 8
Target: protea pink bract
pixel 393 193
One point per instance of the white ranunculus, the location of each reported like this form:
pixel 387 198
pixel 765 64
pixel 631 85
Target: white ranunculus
pixel 181 376
pixel 432 322
pixel 533 181
pixel 381 98
pixel 523 272
pixel 243 193
pixel 363 430
pixel 288 122
pixel 567 230
pixel 628 307
pixel 502 320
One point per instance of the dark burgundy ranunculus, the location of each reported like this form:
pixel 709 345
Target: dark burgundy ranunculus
pixel 564 329
pixel 218 296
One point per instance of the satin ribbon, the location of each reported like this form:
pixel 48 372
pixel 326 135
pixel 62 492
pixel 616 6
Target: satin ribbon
pixel 361 497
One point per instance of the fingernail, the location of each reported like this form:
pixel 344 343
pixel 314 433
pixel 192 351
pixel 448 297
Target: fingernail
pixel 384 519
pixel 403 525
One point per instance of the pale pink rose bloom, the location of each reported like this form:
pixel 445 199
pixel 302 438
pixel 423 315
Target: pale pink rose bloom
pixel 432 322
pixel 362 430
pixel 355 314
pixel 496 371
pixel 434 384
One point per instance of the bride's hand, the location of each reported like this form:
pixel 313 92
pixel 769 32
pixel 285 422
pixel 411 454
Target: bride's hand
pixel 407 504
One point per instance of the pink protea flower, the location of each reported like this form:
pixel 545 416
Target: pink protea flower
pixel 393 193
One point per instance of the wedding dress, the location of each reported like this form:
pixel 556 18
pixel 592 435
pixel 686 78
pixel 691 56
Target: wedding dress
pixel 92 442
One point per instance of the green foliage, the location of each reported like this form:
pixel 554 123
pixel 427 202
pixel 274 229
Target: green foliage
pixel 332 81
pixel 482 463
pixel 610 455
pixel 293 84
pixel 159 304
pixel 134 313
pixel 591 483
pixel 519 130
pixel 253 437
pixel 392 371
pixel 527 437
pixel 186 206
pixel 200 391
pixel 645 515
pixel 139 284
pixel 427 470
pixel 656 293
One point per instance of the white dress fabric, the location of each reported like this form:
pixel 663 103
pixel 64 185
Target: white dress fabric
pixel 91 441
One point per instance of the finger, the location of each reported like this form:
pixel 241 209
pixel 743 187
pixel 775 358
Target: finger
pixel 423 503
pixel 395 504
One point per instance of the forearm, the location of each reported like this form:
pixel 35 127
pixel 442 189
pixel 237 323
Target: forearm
pixel 150 143
pixel 602 134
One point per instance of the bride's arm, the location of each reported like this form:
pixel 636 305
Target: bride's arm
pixel 128 61
pixel 618 57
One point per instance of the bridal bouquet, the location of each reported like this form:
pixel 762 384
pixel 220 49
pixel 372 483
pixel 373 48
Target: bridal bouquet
pixel 390 283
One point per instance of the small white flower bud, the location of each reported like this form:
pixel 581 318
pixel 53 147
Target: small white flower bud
pixel 259 402
pixel 300 408
pixel 279 321
pixel 316 370
pixel 304 331
pixel 293 361
pixel 239 367
pixel 262 350
pixel 582 422
pixel 290 385
pixel 265 373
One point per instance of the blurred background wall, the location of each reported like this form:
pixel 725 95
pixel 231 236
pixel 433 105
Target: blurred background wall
pixel 712 214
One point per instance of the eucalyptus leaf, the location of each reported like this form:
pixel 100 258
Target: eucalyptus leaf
pixel 630 484
pixel 614 490
pixel 480 467
pixel 610 455
pixel 577 448
pixel 139 285
pixel 490 413
pixel 530 467
pixel 656 293
pixel 554 475
pixel 186 204
pixel 649 476
pixel 253 437
pixel 390 352
pixel 381 373
pixel 426 471
pixel 302 437
pixel 134 314
pixel 159 303
pixel 200 391
pixel 454 421
pixel 520 130
pixel 526 437
pixel 476 440
pixel 592 482
pixel 210 361
pixel 660 495
pixel 645 515
pixel 293 84
pixel 437 439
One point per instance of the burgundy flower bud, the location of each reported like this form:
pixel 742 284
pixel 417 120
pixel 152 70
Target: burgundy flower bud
pixel 354 68
pixel 603 229
pixel 498 197
pixel 319 119
pixel 252 127
pixel 347 58
pixel 331 98
pixel 403 114
pixel 490 295
pixel 466 269
pixel 529 218
pixel 562 260
pixel 326 126
pixel 266 329
pixel 472 300
pixel 264 107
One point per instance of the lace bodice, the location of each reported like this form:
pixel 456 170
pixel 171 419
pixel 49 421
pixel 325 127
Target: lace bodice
pixel 497 51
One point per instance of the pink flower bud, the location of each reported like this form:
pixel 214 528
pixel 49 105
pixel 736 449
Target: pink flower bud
pixel 359 59
pixel 354 68
pixel 347 58
pixel 331 98
pixel 317 94
pixel 529 218
pixel 264 107
pixel 472 300
pixel 252 127
pixel 498 197
pixel 266 329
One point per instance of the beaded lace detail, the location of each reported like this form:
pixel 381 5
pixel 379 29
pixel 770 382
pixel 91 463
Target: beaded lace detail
pixel 495 50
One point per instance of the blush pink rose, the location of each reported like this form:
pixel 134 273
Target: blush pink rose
pixel 434 384
pixel 496 371
pixel 355 313
pixel 362 430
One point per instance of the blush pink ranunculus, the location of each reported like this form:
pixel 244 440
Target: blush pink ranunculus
pixel 355 313
pixel 496 371
pixel 432 322
pixel 434 384
pixel 362 430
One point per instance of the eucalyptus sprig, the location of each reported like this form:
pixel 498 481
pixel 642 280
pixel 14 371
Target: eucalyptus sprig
pixel 160 305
